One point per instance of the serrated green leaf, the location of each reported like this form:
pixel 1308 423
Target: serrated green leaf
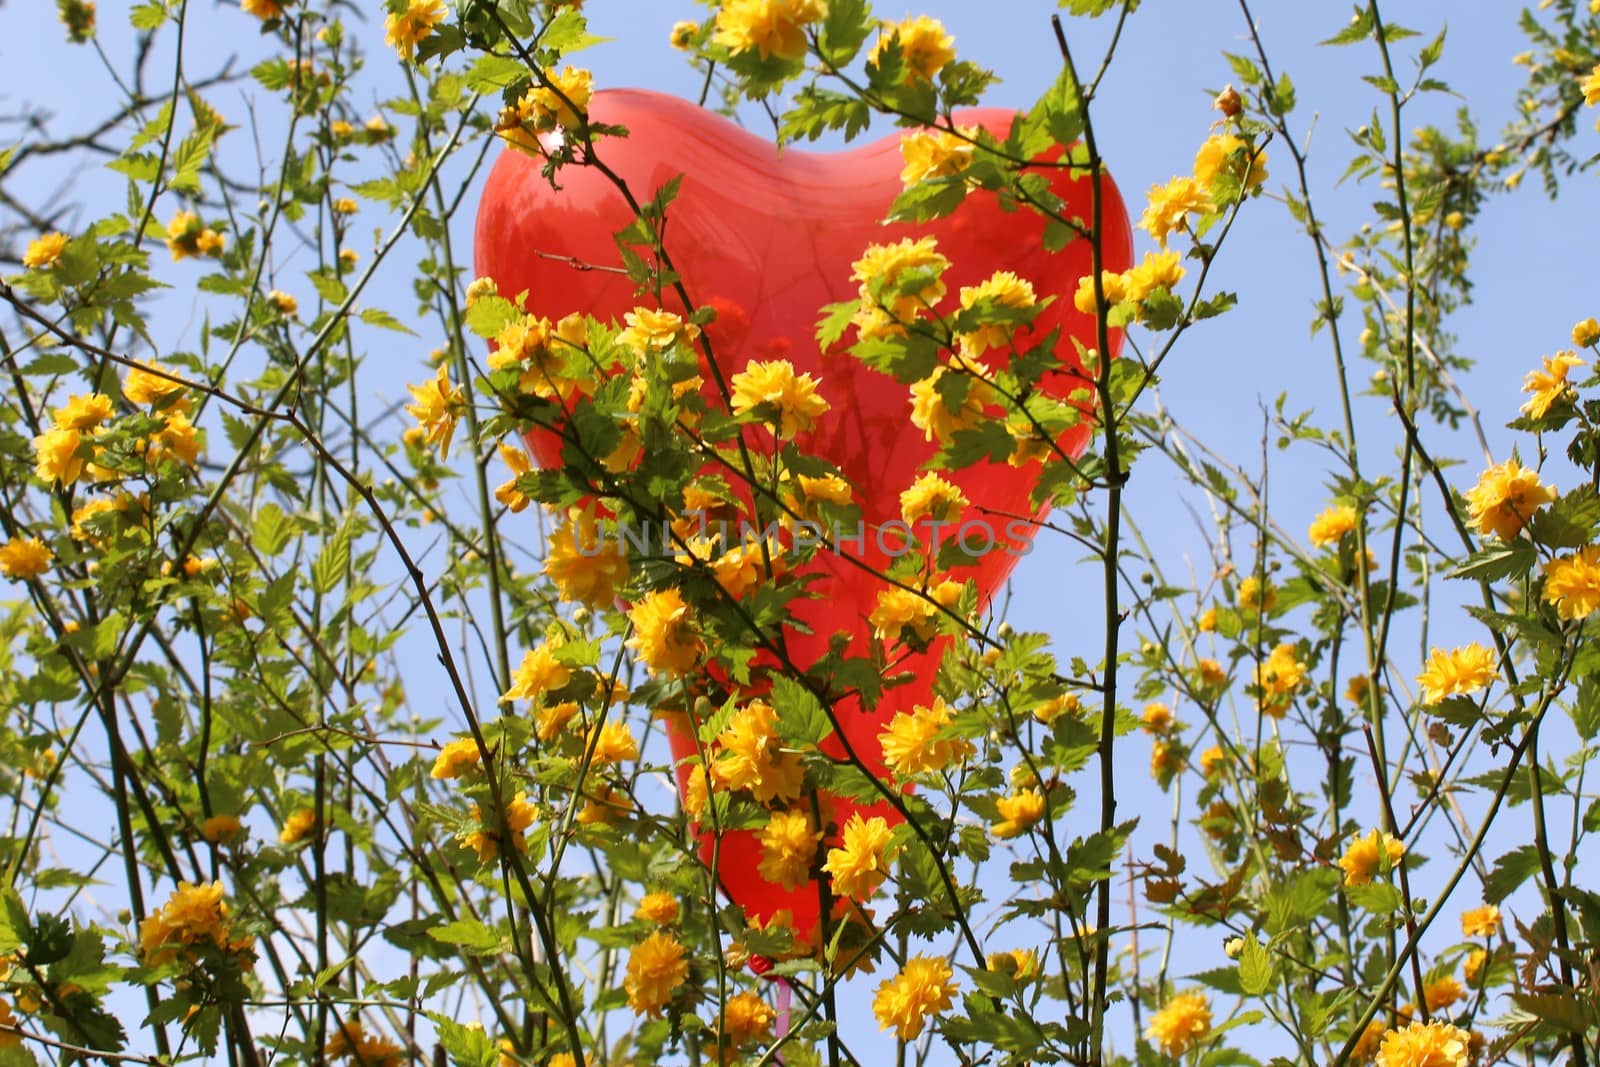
pixel 382 319
pixel 1256 968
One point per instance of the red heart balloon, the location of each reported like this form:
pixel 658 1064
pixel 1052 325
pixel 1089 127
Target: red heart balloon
pixel 768 238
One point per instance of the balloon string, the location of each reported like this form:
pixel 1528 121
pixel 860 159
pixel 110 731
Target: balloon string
pixel 782 1026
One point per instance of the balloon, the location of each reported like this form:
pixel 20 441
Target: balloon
pixel 768 238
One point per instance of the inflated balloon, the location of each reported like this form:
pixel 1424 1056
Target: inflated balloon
pixel 768 239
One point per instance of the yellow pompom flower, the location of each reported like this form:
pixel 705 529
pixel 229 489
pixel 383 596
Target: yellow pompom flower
pixel 931 410
pixel 1113 287
pixel 1591 87
pixel 1332 526
pixel 663 633
pixel 1182 1022
pixel 1228 153
pixel 935 153
pixel 265 10
pixel 1018 813
pixel 906 1002
pixel 221 829
pixel 1433 1044
pixel 1156 719
pixel 25 558
pixel 585 565
pixel 1442 992
pixel 1158 270
pixel 656 968
pixel 915 743
pixel 924 43
pixel 885 308
pixel 456 759
pixel 931 497
pixel 683 34
pixel 658 908
pixel 539 673
pixel 520 813
pixel 1505 498
pixel 437 406
pixel 193 915
pixel 905 614
pixel 300 824
pixel 1457 672
pixel 752 757
pixel 149 383
pixel 1256 595
pixel 746 1018
pixel 613 743
pixel 562 99
pixel 1170 206
pixel 351 1041
pixel 1365 856
pixel 1002 288
pixel 1548 385
pixel 1572 583
pixel 788 849
pixel 84 412
pixel 406 29
pixel 767 27
pixel 57 458
pixel 1586 333
pixel 507 492
pixel 1279 680
pixel 773 388
pixel 861 863
pixel 44 250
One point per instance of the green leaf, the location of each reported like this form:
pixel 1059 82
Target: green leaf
pixel 1256 968
pixel 469 934
pixel 148 16
pixel 1497 561
pixel 382 319
pixel 190 155
pixel 569 32
pixel 14 925
pixel 1510 871
pixel 332 563
pixel 801 718
pixel 491 73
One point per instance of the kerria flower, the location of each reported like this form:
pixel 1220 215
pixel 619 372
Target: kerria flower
pixel 906 1002
pixel 861 863
pixel 658 908
pixel 935 153
pixel 1182 1022
pixel 406 29
pixel 1018 813
pixel 44 250
pixel 752 757
pixel 1457 672
pixel 539 673
pixel 773 388
pixel 1505 498
pixel 941 411
pixel 1170 206
pixel 456 759
pixel 656 968
pixel 1330 527
pixel 1001 289
pixel 1227 153
pixel 584 564
pixel 918 742
pixel 351 1041
pixel 1549 384
pixel 25 558
pixel 925 46
pixel 898 282
pixel 767 27
pixel 1572 584
pixel 746 1018
pixel 1433 1044
pixel 663 633
pixel 1365 855
pixel 437 407
pixel 931 497
pixel 788 849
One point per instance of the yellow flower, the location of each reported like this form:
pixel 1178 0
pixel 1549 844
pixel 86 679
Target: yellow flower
pixel 861 864
pixel 1356 692
pixel 746 1018
pixel 775 389
pixel 1255 595
pixel 193 915
pixel 1586 333
pixel 1442 992
pixel 658 908
pixel 84 412
pixel 1055 707
pixel 1020 963
pixel 1434 1044
pixel 188 236
pixel 286 305
pixel 538 673
pixel 788 849
pixel 1457 672
pixel 456 759
pixel 931 410
pixel 931 497
pixel 520 813
pixel 904 1003
pixel 1212 760
pixel 1113 286
pixel 1549 384
pixel 604 805
pixel 585 565
pixel 753 758
pixel 43 251
pixel 1572 583
pixel 298 826
pixel 179 437
pixel 656 968
pixel 1365 856
pixel 901 610
pixel 264 10
pixel 767 27
pixel 507 492
pixel 649 331
pixel 1279 680
pixel 885 305
pixel 352 1042
pixel 663 634
pixel 917 743
pixel 1158 270
pixel 1167 758
pixel 404 31
pixel 550 720
pixel 1332 525
pixel 1018 812
pixel 1472 967
pixel 1207 622
pixel 56 458
pixel 1181 1023
pixel 1505 498
pixel 683 34
pixel 1591 87
pixel 1218 155
pixel 1171 205
pixel 25 558
pixel 437 406
pixel 9 1037
pixel 826 488
pixel 924 44
pixel 613 743
pixel 562 99
pixel 149 383
pixel 1156 719
pixel 1366 1049
pixel 1002 288
pixel 935 153
pixel 221 829
pixel 1210 674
